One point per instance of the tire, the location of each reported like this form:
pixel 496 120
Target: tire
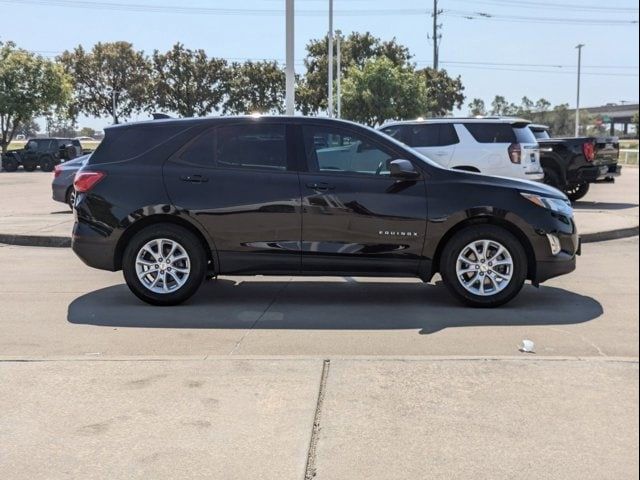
pixel 9 164
pixel 175 293
pixel 552 178
pixel 47 163
pixel 71 197
pixel 576 192
pixel 497 292
pixel 29 165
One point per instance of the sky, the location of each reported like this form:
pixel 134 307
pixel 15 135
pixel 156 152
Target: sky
pixel 524 48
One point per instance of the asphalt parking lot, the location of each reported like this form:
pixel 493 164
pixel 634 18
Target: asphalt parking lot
pixel 326 378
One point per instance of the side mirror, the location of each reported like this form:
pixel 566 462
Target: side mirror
pixel 403 169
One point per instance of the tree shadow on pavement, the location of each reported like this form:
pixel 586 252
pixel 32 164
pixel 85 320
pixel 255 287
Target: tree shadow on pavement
pixel 327 305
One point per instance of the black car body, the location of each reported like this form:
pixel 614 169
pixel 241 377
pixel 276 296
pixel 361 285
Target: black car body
pixel 45 153
pixel 62 184
pixel 296 195
pixel 571 164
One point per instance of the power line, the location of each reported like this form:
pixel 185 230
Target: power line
pixel 551 20
pixel 555 5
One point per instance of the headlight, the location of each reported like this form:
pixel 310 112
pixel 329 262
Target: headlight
pixel 553 204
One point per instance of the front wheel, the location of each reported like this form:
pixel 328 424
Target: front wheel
pixel 164 264
pixel 576 192
pixel 484 266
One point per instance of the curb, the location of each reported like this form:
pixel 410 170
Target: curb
pixel 65 242
pixel 35 240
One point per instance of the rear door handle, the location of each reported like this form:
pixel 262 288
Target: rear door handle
pixel 320 186
pixel 194 178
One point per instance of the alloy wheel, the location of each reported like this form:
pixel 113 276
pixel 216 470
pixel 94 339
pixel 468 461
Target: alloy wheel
pixel 163 265
pixel 484 267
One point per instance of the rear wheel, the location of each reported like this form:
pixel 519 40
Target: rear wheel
pixel 9 164
pixel 484 266
pixel 71 197
pixel 164 264
pixel 47 163
pixel 576 192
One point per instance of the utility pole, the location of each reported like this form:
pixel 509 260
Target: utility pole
pixel 339 72
pixel 436 35
pixel 330 82
pixel 289 67
pixel 579 47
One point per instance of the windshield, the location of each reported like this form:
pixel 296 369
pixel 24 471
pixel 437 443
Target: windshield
pixel 541 134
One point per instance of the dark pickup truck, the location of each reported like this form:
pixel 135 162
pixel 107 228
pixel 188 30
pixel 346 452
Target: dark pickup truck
pixel 572 164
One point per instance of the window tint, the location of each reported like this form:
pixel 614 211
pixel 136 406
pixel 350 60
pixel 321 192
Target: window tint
pixel 491 132
pixel 337 150
pixel 394 131
pixel 541 134
pixel 200 151
pixel 433 135
pixel 424 135
pixel 252 146
pixel 524 135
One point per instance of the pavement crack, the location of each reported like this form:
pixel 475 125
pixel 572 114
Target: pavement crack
pixel 310 469
pixel 581 337
pixel 255 322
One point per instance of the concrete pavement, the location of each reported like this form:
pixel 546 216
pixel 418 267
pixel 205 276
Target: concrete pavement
pixel 52 305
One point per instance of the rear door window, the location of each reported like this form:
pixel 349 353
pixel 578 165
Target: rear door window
pixel 252 146
pixel 491 132
pixel 394 131
pixel 433 135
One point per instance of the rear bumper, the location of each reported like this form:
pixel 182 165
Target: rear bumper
pixel 608 173
pixel 59 193
pixel 92 246
pixel 595 173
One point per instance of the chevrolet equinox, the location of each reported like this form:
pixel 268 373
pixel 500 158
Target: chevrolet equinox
pixel 174 201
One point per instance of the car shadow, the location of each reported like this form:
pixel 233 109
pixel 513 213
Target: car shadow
pixel 312 305
pixel 603 206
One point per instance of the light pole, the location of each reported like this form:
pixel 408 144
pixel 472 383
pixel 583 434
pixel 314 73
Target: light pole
pixel 579 47
pixel 330 59
pixel 339 72
pixel 289 68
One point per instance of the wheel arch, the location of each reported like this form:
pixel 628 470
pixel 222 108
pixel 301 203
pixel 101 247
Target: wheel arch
pixel 553 162
pixel 488 220
pixel 155 219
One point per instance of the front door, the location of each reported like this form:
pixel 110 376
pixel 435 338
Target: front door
pixel 357 218
pixel 238 182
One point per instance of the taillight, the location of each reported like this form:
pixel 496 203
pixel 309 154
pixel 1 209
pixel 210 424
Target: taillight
pixel 589 151
pixel 57 171
pixel 85 181
pixel 515 153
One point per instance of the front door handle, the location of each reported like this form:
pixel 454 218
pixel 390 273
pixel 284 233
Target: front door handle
pixel 194 178
pixel 320 186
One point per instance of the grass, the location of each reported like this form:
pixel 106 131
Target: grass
pixel 629 158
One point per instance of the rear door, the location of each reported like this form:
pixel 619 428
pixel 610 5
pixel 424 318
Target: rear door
pixel 239 181
pixel 356 217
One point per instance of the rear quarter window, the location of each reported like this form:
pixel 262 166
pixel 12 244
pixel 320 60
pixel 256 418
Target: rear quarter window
pixel 132 142
pixel 491 132
pixel 524 135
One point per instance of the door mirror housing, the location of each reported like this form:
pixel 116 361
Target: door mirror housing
pixel 403 169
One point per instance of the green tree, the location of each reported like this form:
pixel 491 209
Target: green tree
pixel 356 49
pixel 255 87
pixel 29 86
pixel 444 93
pixel 477 108
pixel 110 71
pixel 561 121
pixel 187 82
pixel 86 132
pixel 500 106
pixel 636 122
pixel 28 128
pixel 382 91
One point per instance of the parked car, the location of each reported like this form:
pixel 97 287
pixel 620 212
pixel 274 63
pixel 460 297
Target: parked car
pixel 572 164
pixel 62 184
pixel 45 153
pixel 172 201
pixel 493 146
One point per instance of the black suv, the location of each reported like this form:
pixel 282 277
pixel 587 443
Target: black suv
pixel 45 153
pixel 171 202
